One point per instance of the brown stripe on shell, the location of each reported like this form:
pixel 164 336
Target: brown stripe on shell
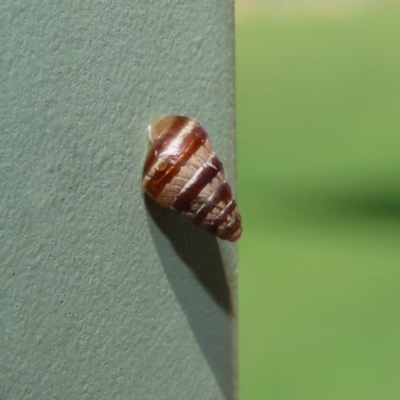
pixel 185 176
pixel 175 160
pixel 165 124
pixel 233 230
pixel 163 139
pixel 222 217
pixel 222 195
pixel 207 173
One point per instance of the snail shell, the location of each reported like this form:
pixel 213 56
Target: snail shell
pixel 182 172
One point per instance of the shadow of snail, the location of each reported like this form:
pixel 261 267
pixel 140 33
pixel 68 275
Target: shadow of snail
pixel 182 174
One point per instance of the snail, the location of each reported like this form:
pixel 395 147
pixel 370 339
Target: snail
pixel 182 172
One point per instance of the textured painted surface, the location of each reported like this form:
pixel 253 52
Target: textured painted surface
pixel 104 295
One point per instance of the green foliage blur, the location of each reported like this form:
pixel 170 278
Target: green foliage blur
pixel 318 107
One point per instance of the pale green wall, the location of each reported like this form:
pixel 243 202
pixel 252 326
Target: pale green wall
pixel 102 297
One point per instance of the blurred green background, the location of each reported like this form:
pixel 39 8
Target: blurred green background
pixel 318 108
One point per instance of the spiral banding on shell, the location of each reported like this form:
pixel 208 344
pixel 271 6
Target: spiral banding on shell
pixel 182 172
